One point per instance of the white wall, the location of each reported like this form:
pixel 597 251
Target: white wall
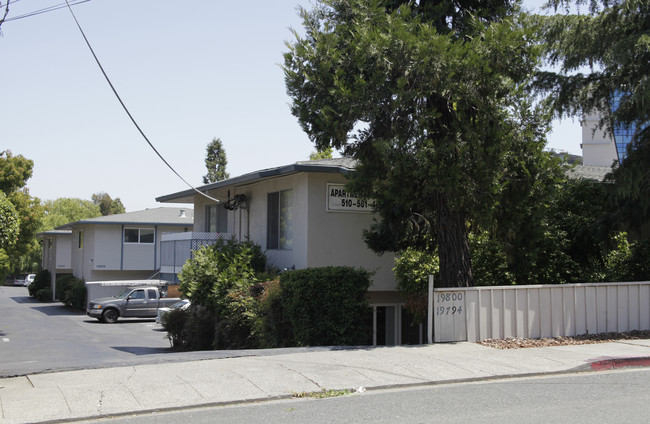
pixel 105 257
pixel 598 148
pixel 336 238
pixel 320 238
pixel 540 311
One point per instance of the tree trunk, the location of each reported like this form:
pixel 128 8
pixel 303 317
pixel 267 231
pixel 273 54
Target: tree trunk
pixel 453 248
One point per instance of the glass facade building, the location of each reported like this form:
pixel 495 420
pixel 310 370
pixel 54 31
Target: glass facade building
pixel 623 134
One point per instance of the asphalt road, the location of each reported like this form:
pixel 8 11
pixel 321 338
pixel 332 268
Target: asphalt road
pixel 604 397
pixel 37 337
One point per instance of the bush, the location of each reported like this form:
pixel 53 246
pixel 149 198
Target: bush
pixel 412 270
pixel 190 329
pixel 318 307
pixel 173 322
pixel 221 280
pixel 62 283
pixel 44 295
pixel 215 269
pixel 42 280
pixel 74 295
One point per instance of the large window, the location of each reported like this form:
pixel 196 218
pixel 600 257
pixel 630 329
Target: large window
pixel 216 219
pixel 139 235
pixel 279 230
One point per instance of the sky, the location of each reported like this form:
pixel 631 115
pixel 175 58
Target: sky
pixel 187 71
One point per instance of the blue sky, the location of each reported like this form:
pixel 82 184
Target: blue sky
pixel 188 71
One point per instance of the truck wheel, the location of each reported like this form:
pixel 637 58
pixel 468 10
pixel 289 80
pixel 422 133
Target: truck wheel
pixel 110 316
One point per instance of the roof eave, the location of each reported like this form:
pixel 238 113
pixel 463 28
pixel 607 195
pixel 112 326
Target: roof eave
pixel 187 196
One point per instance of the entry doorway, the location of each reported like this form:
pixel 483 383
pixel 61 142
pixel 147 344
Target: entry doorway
pixel 385 325
pixel 393 324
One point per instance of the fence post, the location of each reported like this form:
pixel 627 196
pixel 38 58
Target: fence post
pixel 430 312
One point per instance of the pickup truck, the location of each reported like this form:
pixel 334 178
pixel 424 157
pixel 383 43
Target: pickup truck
pixel 139 302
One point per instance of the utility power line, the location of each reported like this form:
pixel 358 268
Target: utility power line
pixel 43 10
pixel 127 110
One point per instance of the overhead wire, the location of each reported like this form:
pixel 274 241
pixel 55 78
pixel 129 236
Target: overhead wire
pixel 108 80
pixel 43 10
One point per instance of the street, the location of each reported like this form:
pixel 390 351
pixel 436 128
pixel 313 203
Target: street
pixel 605 397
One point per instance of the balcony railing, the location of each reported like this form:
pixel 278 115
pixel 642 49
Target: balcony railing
pixel 177 248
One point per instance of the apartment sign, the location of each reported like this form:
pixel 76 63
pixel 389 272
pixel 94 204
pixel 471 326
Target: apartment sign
pixel 340 200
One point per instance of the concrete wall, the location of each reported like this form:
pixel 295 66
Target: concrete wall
pixel 481 313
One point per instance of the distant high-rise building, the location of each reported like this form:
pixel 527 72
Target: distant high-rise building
pixel 622 133
pixel 600 147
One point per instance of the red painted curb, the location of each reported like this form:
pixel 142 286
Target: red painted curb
pixel 613 363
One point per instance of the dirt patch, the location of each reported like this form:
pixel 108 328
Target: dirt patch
pixel 518 343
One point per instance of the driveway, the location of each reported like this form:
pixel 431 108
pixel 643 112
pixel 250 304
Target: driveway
pixel 37 337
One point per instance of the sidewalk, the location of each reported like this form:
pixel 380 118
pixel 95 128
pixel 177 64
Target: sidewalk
pixel 96 393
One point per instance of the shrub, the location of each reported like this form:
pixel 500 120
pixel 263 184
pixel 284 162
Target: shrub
pixel 75 294
pixel 41 281
pixel 221 280
pixel 412 270
pixel 62 284
pixel 318 306
pixel 190 329
pixel 44 295
pixel 215 269
pixel 174 324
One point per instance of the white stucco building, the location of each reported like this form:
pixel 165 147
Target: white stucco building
pixel 114 247
pixel 302 217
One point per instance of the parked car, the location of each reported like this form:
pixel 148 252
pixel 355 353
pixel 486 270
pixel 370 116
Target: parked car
pixel 29 279
pixel 181 304
pixel 19 281
pixel 138 302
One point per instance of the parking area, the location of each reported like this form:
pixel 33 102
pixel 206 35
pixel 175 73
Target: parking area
pixel 38 337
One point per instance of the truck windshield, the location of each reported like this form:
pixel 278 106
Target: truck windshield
pixel 123 294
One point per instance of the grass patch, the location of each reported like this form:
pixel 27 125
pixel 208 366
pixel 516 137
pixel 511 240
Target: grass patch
pixel 325 393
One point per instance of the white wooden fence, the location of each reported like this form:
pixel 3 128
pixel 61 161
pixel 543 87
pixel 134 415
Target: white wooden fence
pixel 480 313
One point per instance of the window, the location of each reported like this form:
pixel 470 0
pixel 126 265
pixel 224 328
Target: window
pixel 138 294
pixel 81 240
pixel 216 219
pixel 279 230
pixel 139 235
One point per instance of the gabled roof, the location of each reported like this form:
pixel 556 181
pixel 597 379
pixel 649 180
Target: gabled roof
pixel 337 166
pixel 156 216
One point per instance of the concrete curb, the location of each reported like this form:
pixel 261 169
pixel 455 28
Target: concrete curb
pixel 620 362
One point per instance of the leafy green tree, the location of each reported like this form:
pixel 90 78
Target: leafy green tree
pixel 21 256
pixel 9 230
pixel 215 162
pixel 425 96
pixel 66 210
pixel 321 154
pixel 14 172
pixel 9 222
pixel 107 205
pixel 602 54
